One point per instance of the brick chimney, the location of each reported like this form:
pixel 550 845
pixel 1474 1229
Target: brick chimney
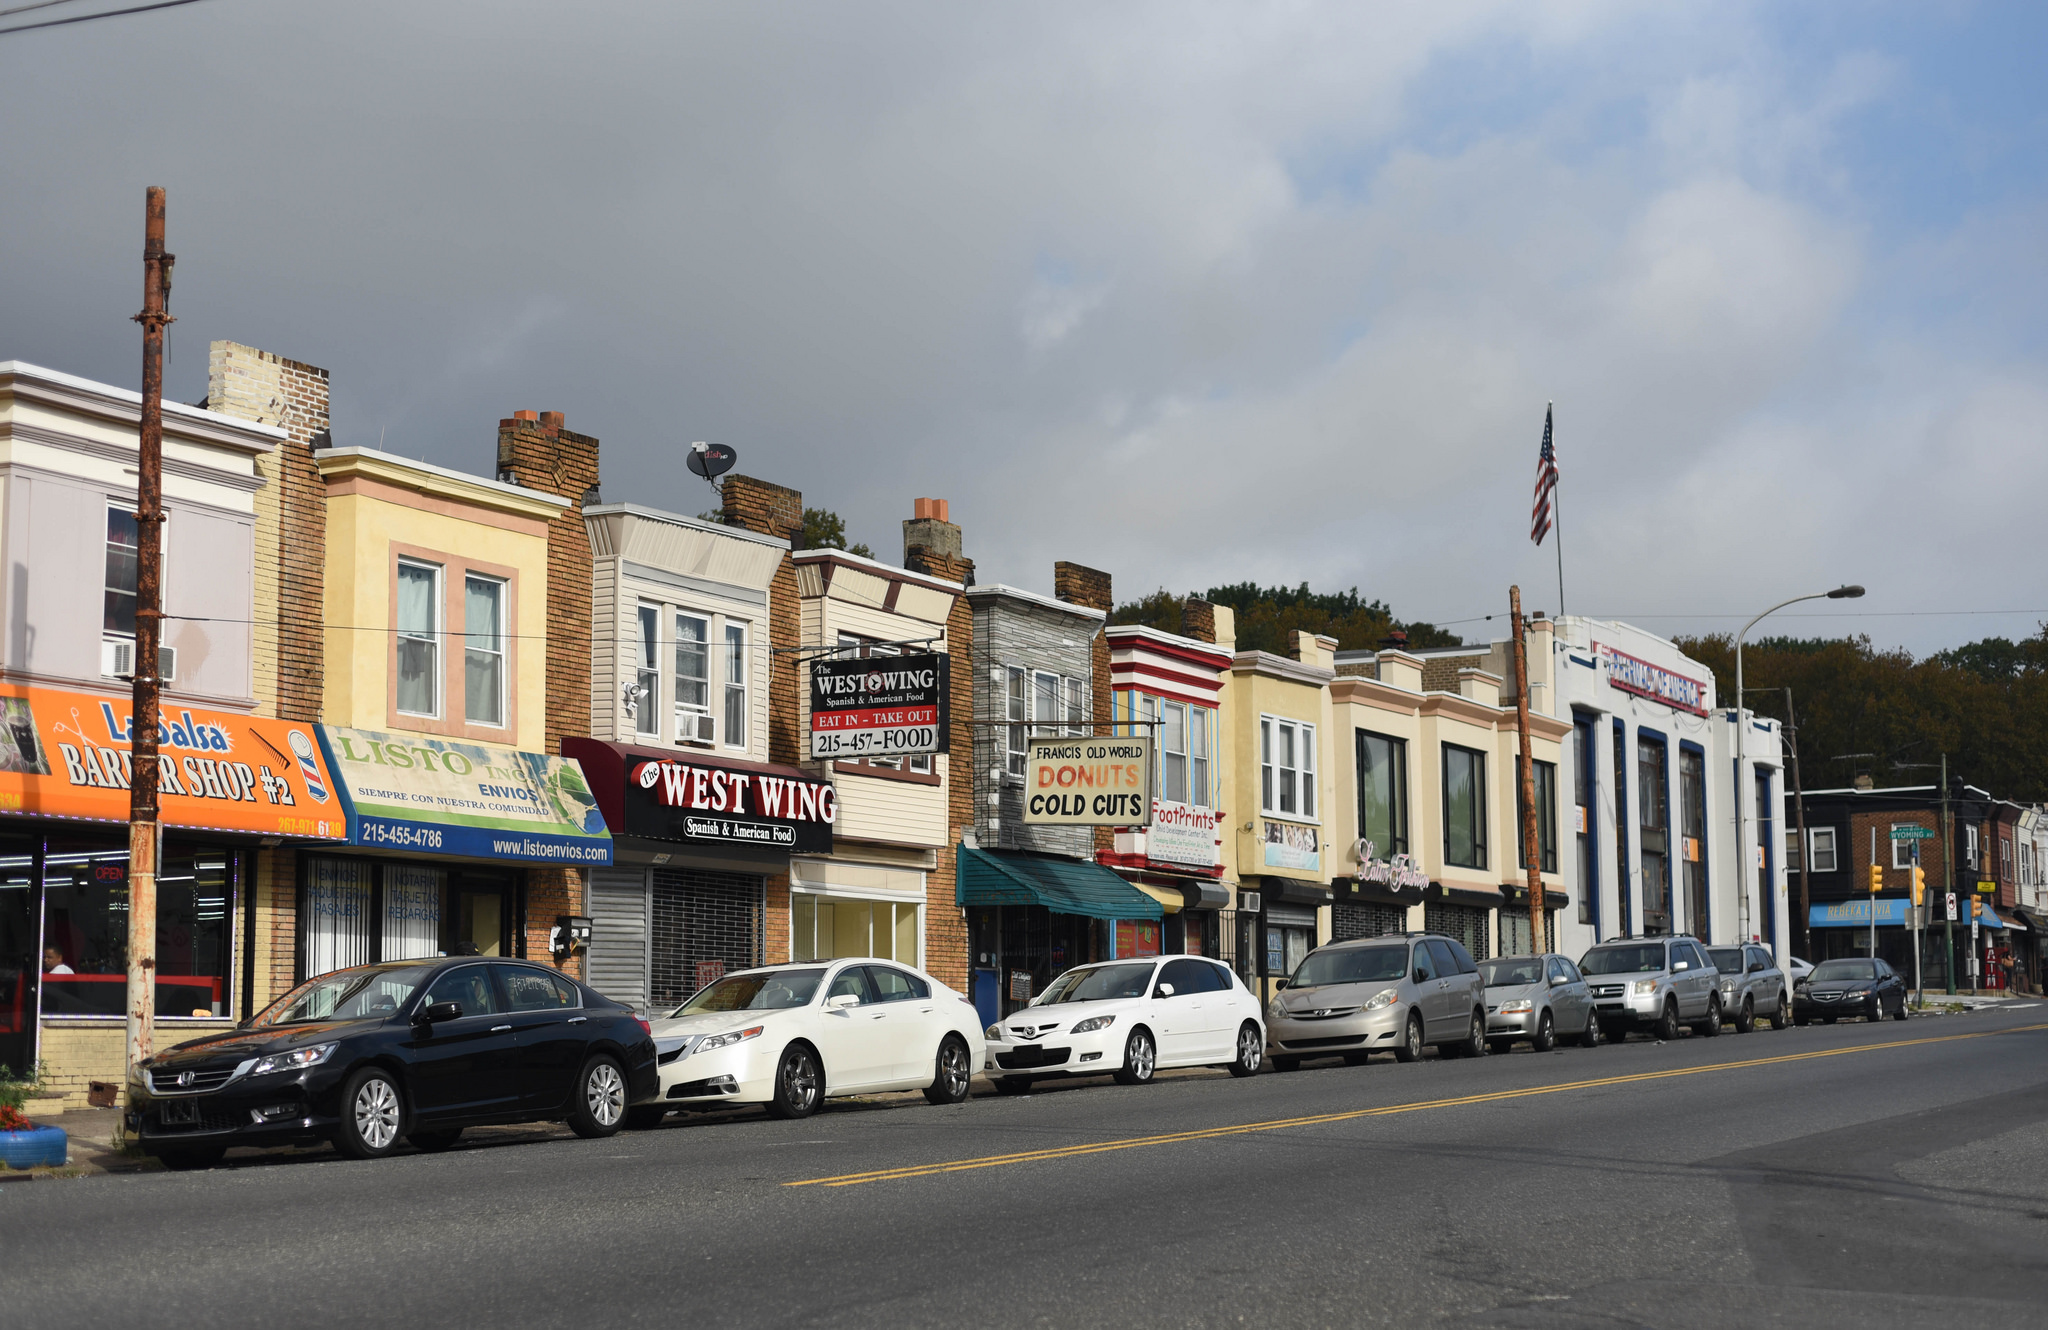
pixel 764 508
pixel 1198 619
pixel 932 545
pixel 536 450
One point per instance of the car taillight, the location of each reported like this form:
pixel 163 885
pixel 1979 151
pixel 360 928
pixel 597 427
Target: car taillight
pixel 645 1028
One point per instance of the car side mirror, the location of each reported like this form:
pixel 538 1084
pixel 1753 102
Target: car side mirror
pixel 1756 967
pixel 1279 984
pixel 1421 975
pixel 1558 981
pixel 1164 990
pixel 842 1001
pixel 1680 965
pixel 435 1012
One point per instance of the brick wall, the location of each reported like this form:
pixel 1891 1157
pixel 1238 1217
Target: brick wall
pixel 1080 585
pixel 945 923
pixel 775 510
pixel 288 645
pixel 536 449
pixel 1198 619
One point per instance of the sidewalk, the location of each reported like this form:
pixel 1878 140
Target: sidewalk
pixel 1980 1001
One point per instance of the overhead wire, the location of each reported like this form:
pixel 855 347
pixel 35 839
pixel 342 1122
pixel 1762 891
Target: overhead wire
pixel 84 18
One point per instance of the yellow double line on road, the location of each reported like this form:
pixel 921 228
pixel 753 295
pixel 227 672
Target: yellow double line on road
pixel 1390 1110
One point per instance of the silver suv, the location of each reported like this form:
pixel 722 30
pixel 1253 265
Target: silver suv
pixel 1653 984
pixel 1752 985
pixel 1397 992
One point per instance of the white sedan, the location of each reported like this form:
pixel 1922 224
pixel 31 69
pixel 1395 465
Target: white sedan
pixel 1130 1018
pixel 793 1036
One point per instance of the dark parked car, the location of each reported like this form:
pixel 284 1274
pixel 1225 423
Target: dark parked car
pixel 1849 987
pixel 406 1050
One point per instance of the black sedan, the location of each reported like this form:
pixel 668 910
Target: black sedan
pixel 1849 987
pixel 404 1051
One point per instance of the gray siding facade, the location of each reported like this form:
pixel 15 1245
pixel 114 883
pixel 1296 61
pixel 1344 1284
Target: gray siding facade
pixel 1045 639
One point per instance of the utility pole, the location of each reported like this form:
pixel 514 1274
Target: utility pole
pixel 1948 881
pixel 145 834
pixel 1526 776
pixel 1875 876
pixel 1804 933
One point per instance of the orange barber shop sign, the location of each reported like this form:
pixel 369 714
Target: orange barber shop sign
pixel 66 754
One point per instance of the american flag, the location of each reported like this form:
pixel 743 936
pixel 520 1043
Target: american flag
pixel 1546 481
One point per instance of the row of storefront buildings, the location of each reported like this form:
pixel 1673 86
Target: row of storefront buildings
pixel 418 711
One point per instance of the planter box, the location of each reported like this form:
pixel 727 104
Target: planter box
pixel 38 1147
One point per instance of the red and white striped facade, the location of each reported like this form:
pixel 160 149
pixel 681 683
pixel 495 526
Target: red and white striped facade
pixel 1186 838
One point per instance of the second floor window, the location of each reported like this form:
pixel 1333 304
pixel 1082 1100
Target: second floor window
pixel 647 673
pixel 1383 793
pixel 483 650
pixel 1287 767
pixel 693 675
pixel 1546 817
pixel 1013 711
pixel 735 686
pixel 419 639
pixel 1823 849
pixel 1173 754
pixel 1045 702
pixel 123 556
pixel 1464 807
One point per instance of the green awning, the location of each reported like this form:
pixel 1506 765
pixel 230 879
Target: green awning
pixel 1065 886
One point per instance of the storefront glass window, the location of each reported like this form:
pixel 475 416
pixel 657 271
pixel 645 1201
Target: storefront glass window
pixel 337 914
pixel 85 930
pixel 412 912
pixel 828 927
pixel 19 962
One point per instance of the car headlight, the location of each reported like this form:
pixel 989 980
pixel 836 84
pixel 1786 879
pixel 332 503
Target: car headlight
pixel 296 1060
pixel 1643 987
pixel 1727 985
pixel 1857 992
pixel 1516 1008
pixel 1383 999
pixel 992 1032
pixel 728 1039
pixel 1094 1023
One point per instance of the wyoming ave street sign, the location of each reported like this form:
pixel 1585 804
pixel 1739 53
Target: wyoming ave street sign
pixel 1912 833
pixel 881 706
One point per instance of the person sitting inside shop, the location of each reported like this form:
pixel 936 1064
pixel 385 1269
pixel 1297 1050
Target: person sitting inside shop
pixel 53 961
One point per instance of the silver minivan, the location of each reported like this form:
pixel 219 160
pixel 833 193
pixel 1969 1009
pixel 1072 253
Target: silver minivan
pixel 1653 984
pixel 1399 992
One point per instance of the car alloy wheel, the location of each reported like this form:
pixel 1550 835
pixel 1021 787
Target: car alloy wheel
pixel 1876 1010
pixel 1667 1024
pixel 1475 1038
pixel 1546 1034
pixel 1900 1014
pixel 1251 1051
pixel 1746 1020
pixel 604 1094
pixel 1410 1047
pixel 1711 1026
pixel 1139 1059
pixel 1779 1013
pixel 796 1084
pixel 951 1075
pixel 372 1115
pixel 1591 1038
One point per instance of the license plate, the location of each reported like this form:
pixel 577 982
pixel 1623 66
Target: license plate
pixel 178 1115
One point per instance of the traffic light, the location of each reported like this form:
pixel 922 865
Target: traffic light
pixel 1919 885
pixel 1876 879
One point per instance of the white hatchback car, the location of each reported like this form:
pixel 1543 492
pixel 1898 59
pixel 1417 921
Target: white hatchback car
pixel 793 1036
pixel 1130 1018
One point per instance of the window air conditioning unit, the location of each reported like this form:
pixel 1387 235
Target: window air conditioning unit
pixel 117 660
pixel 695 727
pixel 1248 902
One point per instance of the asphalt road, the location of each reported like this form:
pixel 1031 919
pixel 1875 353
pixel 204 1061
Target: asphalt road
pixel 1891 1175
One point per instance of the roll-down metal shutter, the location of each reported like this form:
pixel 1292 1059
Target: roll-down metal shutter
pixel 620 933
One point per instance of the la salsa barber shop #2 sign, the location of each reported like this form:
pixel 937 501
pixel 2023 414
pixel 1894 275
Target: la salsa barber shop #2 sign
pixel 1105 782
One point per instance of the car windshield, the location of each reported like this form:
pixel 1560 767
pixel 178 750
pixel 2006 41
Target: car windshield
pixel 1101 984
pixel 1512 973
pixel 1624 960
pixel 1845 970
pixel 345 995
pixel 773 991
pixel 1351 965
pixel 1728 960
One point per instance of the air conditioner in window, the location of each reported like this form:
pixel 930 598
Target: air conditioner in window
pixel 695 727
pixel 1248 902
pixel 117 660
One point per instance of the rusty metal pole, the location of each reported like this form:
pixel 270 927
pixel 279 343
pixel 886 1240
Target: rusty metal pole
pixel 1525 776
pixel 145 834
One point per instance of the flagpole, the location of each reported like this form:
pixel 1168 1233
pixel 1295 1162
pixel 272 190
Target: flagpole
pixel 1556 510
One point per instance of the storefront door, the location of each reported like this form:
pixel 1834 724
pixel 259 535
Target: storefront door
pixel 21 959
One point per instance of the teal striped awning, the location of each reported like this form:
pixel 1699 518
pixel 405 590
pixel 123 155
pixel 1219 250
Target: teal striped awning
pixel 1064 886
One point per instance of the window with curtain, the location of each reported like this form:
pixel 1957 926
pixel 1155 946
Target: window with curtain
pixel 1464 807
pixel 693 675
pixel 735 735
pixel 419 639
pixel 412 911
pixel 1383 793
pixel 647 676
pixel 483 650
pixel 336 929
pixel 1287 767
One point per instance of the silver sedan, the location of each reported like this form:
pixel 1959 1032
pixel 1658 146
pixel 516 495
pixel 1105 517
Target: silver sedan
pixel 1538 998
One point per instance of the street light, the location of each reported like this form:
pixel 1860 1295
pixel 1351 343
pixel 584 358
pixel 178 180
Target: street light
pixel 1741 727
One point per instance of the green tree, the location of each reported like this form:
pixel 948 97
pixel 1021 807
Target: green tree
pixel 1268 617
pixel 826 530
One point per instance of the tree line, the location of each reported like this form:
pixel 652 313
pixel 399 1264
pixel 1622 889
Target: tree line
pixel 1268 617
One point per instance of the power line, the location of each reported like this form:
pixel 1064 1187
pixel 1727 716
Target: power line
pixel 83 18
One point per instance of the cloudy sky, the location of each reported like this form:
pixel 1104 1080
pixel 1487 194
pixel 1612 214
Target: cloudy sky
pixel 1190 293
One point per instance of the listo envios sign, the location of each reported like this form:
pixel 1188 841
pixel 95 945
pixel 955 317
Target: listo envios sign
pixel 881 706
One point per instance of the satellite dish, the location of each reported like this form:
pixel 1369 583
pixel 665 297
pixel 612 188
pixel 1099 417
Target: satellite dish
pixel 711 459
